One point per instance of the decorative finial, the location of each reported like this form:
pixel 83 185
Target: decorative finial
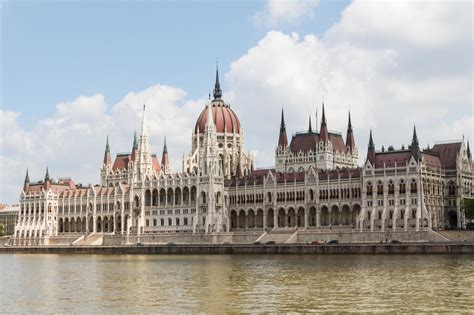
pixel 217 85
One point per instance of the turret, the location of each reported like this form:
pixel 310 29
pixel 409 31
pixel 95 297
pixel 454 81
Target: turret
pixel 282 139
pixel 323 131
pixel 135 146
pixel 468 152
pixel 371 150
pixel 415 147
pixel 165 161
pixel 26 184
pixel 350 142
pixel 107 157
pixel 310 129
pixel 217 86
pixel 47 180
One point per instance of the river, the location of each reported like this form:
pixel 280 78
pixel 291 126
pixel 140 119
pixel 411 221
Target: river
pixel 238 283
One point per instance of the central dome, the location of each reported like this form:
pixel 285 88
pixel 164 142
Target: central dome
pixel 224 118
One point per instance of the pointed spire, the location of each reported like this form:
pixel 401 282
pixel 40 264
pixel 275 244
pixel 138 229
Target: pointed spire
pixel 107 147
pixel 350 142
pixel 310 129
pixel 316 122
pixel 26 184
pixel 135 140
pixel 217 85
pixel 415 148
pixel 210 115
pixel 282 123
pixel 144 131
pixel 323 119
pixel 107 157
pixel 414 141
pixel 349 125
pixel 27 177
pixel 371 141
pixel 282 139
pixel 371 150
pixel 165 161
pixel 323 131
pixel 46 177
pixel 468 153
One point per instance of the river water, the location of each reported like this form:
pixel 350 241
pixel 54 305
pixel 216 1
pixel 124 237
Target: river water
pixel 239 283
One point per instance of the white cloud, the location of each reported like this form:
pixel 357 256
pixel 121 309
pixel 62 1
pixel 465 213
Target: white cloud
pixel 391 64
pixel 289 11
pixel 72 141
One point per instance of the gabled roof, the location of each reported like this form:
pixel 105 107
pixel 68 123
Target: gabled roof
pixel 309 141
pixel 121 162
pixel 389 158
pixel 448 153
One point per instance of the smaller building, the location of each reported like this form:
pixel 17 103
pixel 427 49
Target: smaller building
pixel 9 218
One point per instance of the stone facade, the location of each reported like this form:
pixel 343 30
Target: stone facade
pixel 316 185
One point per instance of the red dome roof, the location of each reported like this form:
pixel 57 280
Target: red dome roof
pixel 224 118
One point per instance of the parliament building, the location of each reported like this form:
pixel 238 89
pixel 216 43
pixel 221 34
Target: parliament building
pixel 316 188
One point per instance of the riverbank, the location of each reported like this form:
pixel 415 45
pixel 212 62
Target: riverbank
pixel 413 248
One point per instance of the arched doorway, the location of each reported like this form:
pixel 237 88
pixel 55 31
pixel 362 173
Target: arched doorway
pixel 452 219
pixel 270 215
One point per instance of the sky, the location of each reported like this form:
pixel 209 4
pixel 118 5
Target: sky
pixel 73 72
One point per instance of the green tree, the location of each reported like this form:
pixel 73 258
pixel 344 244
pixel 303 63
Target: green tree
pixel 468 205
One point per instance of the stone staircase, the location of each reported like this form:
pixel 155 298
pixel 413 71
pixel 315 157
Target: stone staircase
pixel 458 235
pixel 279 236
pixel 93 239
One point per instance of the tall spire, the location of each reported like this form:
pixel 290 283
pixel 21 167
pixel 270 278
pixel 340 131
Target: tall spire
pixel 414 141
pixel 27 181
pixel 165 161
pixel 210 115
pixel 316 122
pixel 350 142
pixel 217 85
pixel 468 153
pixel 371 141
pixel 310 129
pixel 144 130
pixel 282 139
pixel 415 147
pixel 135 141
pixel 46 177
pixel 371 150
pixel 323 131
pixel 47 180
pixel 349 124
pixel 107 157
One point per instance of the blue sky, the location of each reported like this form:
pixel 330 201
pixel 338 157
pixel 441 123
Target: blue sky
pixel 54 51
pixel 73 72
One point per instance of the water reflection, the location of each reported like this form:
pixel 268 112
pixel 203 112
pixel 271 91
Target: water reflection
pixel 240 283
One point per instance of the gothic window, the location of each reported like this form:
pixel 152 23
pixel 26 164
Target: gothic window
pixel 379 188
pixel 369 189
pixel 402 189
pixel 391 188
pixel 413 188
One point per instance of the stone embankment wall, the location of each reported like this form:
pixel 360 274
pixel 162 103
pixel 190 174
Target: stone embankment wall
pixel 413 248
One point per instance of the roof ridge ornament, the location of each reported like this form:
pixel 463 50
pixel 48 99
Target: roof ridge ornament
pixel 217 85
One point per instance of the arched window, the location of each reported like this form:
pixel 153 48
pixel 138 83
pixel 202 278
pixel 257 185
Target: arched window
pixel 402 189
pixel 369 189
pixel 269 196
pixel 380 188
pixel 451 189
pixel 391 188
pixel 203 197
pixel 413 188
